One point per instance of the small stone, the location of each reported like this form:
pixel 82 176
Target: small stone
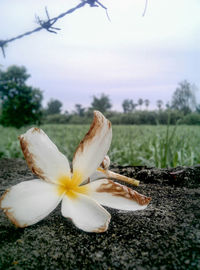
pixel 99 254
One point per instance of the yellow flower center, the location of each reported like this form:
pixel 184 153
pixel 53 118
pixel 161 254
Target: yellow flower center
pixel 70 186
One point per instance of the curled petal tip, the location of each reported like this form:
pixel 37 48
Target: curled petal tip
pixel 105 163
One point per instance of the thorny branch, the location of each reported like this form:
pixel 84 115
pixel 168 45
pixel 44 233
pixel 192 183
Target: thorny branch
pixel 48 24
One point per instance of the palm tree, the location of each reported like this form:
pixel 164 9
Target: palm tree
pixel 140 102
pixel 146 102
pixel 159 104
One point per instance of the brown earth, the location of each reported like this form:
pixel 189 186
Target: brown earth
pixel 164 236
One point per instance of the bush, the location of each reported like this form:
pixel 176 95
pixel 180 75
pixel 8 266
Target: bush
pixel 191 119
pixel 56 119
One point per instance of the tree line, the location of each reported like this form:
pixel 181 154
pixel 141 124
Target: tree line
pixel 21 105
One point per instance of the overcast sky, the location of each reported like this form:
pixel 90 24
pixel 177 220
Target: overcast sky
pixel 130 57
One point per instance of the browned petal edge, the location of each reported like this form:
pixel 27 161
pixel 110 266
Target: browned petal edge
pixel 3 196
pixel 36 130
pixel 125 192
pixel 103 228
pixel 12 218
pixel 96 124
pixel 9 213
pixel 30 157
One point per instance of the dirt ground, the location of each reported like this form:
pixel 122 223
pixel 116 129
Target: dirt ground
pixel 164 236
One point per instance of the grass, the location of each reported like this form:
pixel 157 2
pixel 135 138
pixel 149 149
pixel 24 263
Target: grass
pixel 159 146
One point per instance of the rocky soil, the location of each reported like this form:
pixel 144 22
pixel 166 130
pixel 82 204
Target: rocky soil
pixel 164 236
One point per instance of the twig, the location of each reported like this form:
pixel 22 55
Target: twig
pixel 48 24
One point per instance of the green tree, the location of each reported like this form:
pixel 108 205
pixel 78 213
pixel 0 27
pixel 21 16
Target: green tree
pixel 20 104
pixel 54 107
pixel 140 102
pixel 79 110
pixel 198 108
pixel 183 98
pixel 102 104
pixel 128 105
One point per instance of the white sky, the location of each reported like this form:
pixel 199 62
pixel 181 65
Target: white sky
pixel 130 57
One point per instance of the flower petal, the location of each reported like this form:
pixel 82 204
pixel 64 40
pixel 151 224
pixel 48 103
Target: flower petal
pixel 112 194
pixel 93 148
pixel 85 213
pixel 43 157
pixel 29 202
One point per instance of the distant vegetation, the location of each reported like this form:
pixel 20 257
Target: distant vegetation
pixel 159 146
pixel 21 105
pixel 182 109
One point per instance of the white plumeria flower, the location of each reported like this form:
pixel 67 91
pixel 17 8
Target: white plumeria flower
pixel 29 202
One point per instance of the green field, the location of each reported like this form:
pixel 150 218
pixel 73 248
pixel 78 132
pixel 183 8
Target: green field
pixel 158 146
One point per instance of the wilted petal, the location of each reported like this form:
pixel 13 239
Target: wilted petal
pixel 85 213
pixel 112 194
pixel 42 156
pixel 93 148
pixel 28 202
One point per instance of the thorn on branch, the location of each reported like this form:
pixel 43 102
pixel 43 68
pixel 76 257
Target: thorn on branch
pixel 101 5
pixel 47 13
pixel 2 45
pixel 48 24
pixel 96 3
